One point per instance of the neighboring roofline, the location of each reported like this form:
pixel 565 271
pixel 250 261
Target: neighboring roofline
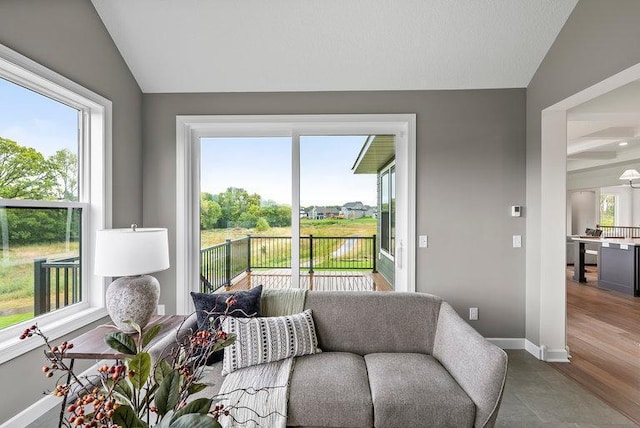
pixel 363 151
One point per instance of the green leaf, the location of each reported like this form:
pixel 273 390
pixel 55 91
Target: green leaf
pixel 122 387
pixel 121 342
pixel 223 344
pixel 196 387
pixel 150 334
pixel 166 420
pixel 169 392
pixel 163 368
pixel 141 366
pixel 195 421
pixel 200 406
pixel 124 416
pixel 134 325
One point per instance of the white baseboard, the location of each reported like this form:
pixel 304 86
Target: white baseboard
pixel 533 349
pixel 42 406
pixel 540 352
pixel 554 355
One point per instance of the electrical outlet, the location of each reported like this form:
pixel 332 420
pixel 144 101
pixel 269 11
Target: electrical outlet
pixel 423 241
pixel 160 310
pixel 517 241
pixel 473 314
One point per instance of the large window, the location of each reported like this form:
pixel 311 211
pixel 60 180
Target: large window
pixel 54 195
pixel 387 205
pixel 608 209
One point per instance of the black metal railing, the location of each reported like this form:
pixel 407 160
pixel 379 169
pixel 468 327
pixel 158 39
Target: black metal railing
pixel 56 284
pixel 221 263
pixel 619 231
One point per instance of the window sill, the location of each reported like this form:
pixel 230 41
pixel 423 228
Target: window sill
pixel 387 255
pixel 14 347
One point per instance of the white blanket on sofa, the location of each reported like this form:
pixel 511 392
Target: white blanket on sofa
pixel 259 394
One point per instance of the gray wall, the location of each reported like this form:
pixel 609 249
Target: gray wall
pixel 68 37
pixel 599 39
pixel 470 170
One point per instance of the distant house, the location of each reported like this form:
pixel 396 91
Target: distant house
pixel 353 210
pixel 318 213
pixel 370 211
pixel 303 213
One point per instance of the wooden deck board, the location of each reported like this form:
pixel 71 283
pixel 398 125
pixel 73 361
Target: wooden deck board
pixel 603 335
pixel 321 280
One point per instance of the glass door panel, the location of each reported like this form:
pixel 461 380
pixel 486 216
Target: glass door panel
pixel 337 214
pixel 245 212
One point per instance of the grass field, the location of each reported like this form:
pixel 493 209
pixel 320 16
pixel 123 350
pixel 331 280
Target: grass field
pixel 365 226
pixel 17 269
pixel 16 278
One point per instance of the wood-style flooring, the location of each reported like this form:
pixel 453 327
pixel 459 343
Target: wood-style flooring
pixel 603 335
pixel 321 280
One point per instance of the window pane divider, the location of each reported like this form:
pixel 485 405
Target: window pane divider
pixel 28 203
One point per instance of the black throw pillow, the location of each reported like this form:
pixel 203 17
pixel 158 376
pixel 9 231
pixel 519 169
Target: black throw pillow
pixel 214 305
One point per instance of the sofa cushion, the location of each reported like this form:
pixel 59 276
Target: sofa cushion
pixel 347 321
pixel 330 389
pixel 413 390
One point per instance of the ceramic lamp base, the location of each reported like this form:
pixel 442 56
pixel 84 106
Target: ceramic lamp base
pixel 133 298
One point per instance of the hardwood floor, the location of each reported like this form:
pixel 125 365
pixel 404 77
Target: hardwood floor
pixel 603 334
pixel 321 280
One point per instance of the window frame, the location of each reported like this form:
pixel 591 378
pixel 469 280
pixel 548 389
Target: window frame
pixel 94 195
pixel 189 130
pixel 390 170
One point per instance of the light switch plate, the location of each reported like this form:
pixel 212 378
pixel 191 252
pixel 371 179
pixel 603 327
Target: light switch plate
pixel 423 241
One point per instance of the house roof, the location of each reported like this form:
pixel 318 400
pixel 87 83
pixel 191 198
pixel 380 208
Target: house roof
pixel 332 45
pixel 376 152
pixel 354 206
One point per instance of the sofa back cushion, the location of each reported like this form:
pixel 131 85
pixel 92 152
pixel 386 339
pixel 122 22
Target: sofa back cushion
pixel 371 322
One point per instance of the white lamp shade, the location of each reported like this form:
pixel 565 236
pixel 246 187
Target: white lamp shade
pixel 630 174
pixel 125 252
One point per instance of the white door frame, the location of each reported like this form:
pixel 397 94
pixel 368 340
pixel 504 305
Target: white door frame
pixel 189 130
pixel 552 244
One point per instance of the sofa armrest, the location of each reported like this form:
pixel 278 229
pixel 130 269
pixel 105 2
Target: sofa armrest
pixel 478 366
pixel 163 347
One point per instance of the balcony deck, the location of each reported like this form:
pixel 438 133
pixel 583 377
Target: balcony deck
pixel 322 280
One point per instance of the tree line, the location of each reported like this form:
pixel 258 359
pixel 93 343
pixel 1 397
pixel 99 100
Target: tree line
pixel 25 173
pixel 235 207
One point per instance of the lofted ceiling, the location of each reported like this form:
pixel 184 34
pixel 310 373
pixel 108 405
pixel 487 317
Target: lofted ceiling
pixel 328 45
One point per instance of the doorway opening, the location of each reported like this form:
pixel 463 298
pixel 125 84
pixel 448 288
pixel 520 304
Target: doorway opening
pixel 588 141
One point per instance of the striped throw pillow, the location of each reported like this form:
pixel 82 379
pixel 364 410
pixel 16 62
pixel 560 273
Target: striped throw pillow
pixel 268 339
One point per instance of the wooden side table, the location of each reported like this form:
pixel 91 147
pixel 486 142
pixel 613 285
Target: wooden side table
pixel 91 345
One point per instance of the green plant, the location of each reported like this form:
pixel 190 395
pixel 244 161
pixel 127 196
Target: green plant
pixel 135 392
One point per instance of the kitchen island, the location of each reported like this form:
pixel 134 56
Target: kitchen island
pixel 618 263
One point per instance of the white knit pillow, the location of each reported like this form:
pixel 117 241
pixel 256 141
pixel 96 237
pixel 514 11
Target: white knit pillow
pixel 266 339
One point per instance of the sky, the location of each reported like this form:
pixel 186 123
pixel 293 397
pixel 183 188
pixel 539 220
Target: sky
pixel 33 120
pixel 263 166
pixel 259 165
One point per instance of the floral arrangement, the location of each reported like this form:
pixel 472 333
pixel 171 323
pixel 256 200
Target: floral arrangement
pixel 135 392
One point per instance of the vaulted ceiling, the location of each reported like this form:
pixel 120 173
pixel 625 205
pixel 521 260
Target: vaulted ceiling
pixel 328 45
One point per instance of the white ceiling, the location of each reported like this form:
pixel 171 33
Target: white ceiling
pixel 596 128
pixel 327 45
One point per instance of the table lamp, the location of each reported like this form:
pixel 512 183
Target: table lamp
pixel 131 254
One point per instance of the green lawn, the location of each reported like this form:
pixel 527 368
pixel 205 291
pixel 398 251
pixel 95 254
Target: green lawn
pixel 17 277
pixel 8 320
pixel 365 226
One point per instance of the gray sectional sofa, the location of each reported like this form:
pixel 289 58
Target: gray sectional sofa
pixel 393 360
